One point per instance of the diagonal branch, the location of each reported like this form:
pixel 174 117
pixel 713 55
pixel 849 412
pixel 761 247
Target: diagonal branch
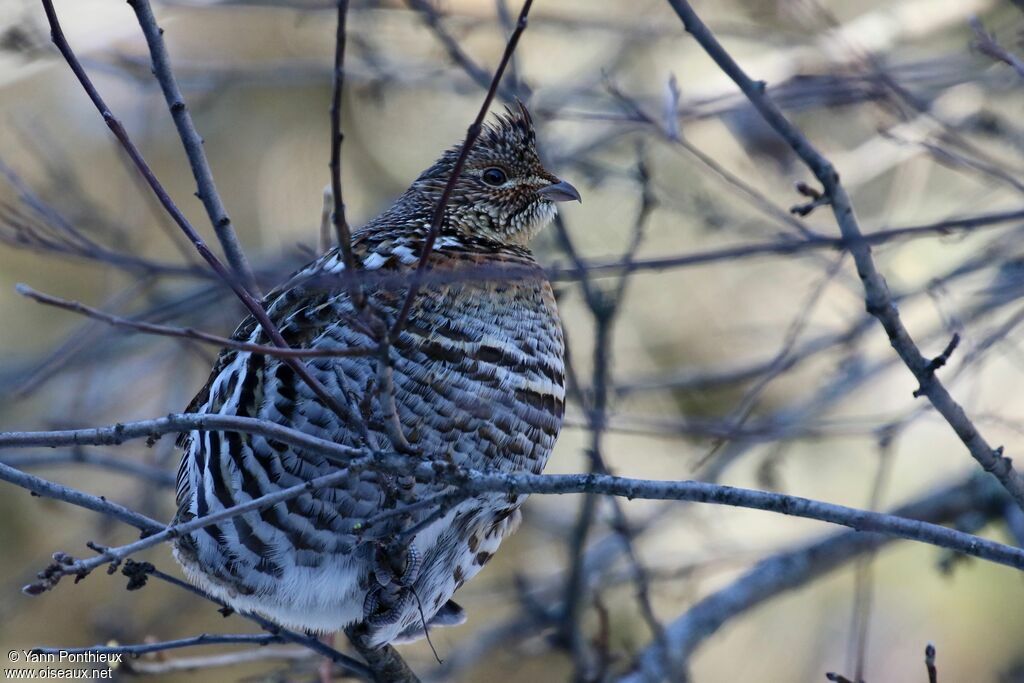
pixel 184 332
pixel 254 307
pixel 310 642
pixel 193 144
pixel 433 19
pixel 876 293
pixel 472 133
pixel 49 489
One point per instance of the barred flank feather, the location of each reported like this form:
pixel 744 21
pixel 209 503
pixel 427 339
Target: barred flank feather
pixel 477 378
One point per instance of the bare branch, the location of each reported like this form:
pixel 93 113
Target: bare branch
pixel 876 292
pixel 148 648
pixel 791 569
pixel 193 144
pixel 48 489
pixel 341 229
pixel 184 332
pixel 174 424
pixel 165 666
pixel 309 642
pixel 57 35
pixel 81 456
pixel 472 133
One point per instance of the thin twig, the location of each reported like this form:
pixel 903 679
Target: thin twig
pixel 163 646
pixel 472 133
pixel 310 642
pixel 254 307
pixel 67 566
pixel 341 229
pixel 48 489
pixel 172 665
pixel 193 144
pixel 876 293
pixel 184 332
pixel 793 568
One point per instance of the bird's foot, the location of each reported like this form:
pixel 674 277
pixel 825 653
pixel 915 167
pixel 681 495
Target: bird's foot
pixel 393 595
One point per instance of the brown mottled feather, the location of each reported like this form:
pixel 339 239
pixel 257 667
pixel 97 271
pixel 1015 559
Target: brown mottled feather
pixel 477 378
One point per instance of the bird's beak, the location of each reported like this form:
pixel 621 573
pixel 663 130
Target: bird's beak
pixel 560 192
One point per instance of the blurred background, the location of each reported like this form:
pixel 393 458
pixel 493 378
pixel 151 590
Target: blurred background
pixel 762 371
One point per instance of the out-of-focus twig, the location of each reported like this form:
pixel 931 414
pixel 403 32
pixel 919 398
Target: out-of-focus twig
pixel 171 665
pixel 185 332
pixel 876 292
pixel 163 646
pixel 791 569
pixel 929 663
pixel 986 44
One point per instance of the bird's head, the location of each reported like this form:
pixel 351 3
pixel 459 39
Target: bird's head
pixel 503 193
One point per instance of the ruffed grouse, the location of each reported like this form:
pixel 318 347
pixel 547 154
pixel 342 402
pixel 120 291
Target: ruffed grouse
pixel 477 380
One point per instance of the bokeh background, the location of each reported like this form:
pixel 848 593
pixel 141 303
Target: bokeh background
pixel 921 125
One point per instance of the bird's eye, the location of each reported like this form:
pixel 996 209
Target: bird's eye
pixel 494 176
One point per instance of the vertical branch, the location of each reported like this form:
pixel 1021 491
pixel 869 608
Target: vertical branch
pixel 864 568
pixel 193 144
pixel 929 663
pixel 341 229
pixel 604 308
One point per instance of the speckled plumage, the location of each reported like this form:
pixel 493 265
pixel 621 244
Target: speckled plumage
pixel 477 377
